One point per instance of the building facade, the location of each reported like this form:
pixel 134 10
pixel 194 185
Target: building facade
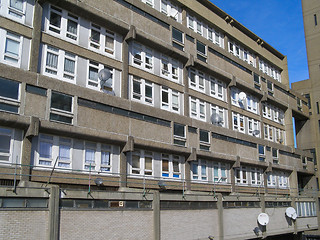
pixel 152 119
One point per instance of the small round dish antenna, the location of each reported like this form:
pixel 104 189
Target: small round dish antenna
pixel 242 96
pixel 291 213
pixel 105 77
pixel 263 219
pixel 216 119
pixel 256 132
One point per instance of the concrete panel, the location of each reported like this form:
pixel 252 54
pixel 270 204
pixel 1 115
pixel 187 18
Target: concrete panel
pixel 278 221
pixel 306 223
pixel 106 225
pixel 189 224
pixel 240 222
pixel 35 105
pixel 30 225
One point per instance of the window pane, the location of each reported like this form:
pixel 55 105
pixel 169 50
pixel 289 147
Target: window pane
pixel 12 47
pixel 105 158
pixel 89 158
pixel 201 48
pixel 165 165
pixel 204 136
pixel 45 150
pixel 61 101
pixel 55 19
pixel 9 89
pixel 17 4
pixel 5 144
pixel 52 60
pixel 178 130
pixel 261 149
pixel 135 161
pixel 177 35
pixel 72 27
pixel 148 163
pixel 148 90
pixel 64 152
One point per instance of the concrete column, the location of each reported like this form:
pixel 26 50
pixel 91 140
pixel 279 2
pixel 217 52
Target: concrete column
pixel 293 204
pixel 26 159
pixel 54 213
pixel 36 37
pixel 289 128
pixel 220 216
pixel 156 216
pixel 125 70
pixel 184 17
pixel 186 91
pixel 232 83
pixel 123 170
pixel 187 175
pixel 293 181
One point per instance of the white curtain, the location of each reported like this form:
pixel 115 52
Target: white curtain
pixel 52 60
pixel 17 4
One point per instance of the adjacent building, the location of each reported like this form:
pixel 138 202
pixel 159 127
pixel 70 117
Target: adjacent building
pixel 152 119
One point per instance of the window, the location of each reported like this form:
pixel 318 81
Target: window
pixel 241 175
pixel 177 39
pixel 299 104
pixel 235 49
pixel 169 68
pixel 197 109
pixel 101 39
pixel 270 88
pixel 275 155
pixel 170 10
pixel 269 70
pixel 9 96
pixel 61 108
pixel 315 19
pixel 306 209
pixel 191 22
pixel 256 176
pixel 278 179
pixel 256 80
pixel 318 109
pixel 142 57
pixel 54 148
pixel 268 132
pixel 279 136
pixel 170 100
pixel 6 144
pixel 12 49
pixel 262 153
pixel 267 111
pixel 142 163
pixel 238 122
pixel 171 166
pixel 253 127
pixel 93 80
pixel 14 9
pixel 220 120
pixel 199 170
pixel 179 134
pixel 97 157
pixel 148 2
pixel 196 80
pixel 217 88
pixel 220 172
pixel 252 104
pixel 62 23
pixel 202 51
pixel 199 28
pixel 142 90
pixel 204 138
pixel 215 37
pixel 60 64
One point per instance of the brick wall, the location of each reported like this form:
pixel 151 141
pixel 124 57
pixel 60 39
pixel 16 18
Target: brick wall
pixel 23 225
pixel 120 225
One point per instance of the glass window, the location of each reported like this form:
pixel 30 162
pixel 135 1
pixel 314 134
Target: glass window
pixel 201 48
pixel 61 107
pixel 177 35
pixel 179 130
pixel 12 48
pixel 5 143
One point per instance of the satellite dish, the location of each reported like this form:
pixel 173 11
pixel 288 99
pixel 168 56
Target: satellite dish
pixel 291 213
pixel 263 219
pixel 216 119
pixel 242 96
pixel 105 76
pixel 256 132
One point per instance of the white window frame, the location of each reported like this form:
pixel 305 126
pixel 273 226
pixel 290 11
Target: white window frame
pixel 63 29
pixel 253 124
pixel 199 81
pixel 11 101
pixel 243 178
pixel 215 86
pixel 222 113
pixel 256 177
pixel 179 138
pixel 170 10
pixel 191 22
pixel 268 132
pixel 170 105
pixel 199 176
pixel 7 132
pixel 221 177
pixel 171 173
pixel 236 120
pixel 141 170
pixel 252 104
pixel 101 46
pixel 96 85
pixel 267 111
pixel 97 165
pixel 13 13
pixel 173 70
pixel 197 113
pixel 59 69
pixel 262 156
pixel 7 57
pixel 56 143
pixel 147 57
pixel 61 112
pixel 141 97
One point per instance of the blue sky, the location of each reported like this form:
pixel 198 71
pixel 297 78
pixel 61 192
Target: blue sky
pixel 277 22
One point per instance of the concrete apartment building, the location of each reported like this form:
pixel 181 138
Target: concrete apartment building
pixel 186 134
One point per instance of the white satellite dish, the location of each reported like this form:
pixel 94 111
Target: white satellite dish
pixel 255 132
pixel 216 119
pixel 242 96
pixel 263 219
pixel 105 77
pixel 291 213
